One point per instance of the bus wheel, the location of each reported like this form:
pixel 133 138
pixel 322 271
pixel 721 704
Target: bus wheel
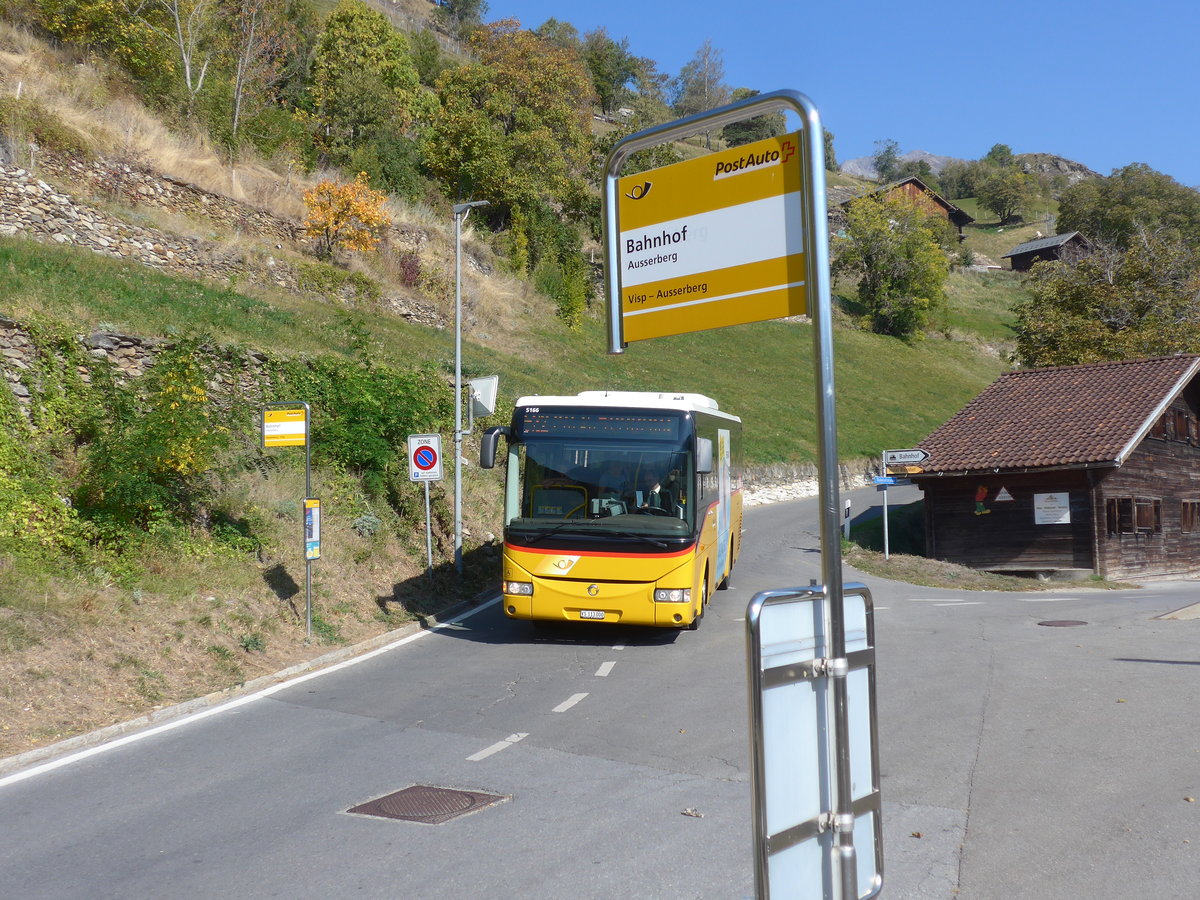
pixel 726 581
pixel 695 623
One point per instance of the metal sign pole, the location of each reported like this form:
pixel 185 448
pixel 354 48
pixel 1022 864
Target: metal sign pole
pixel 817 260
pixel 428 534
pixel 811 223
pixel 277 431
pixel 461 211
pixel 307 561
pixel 886 549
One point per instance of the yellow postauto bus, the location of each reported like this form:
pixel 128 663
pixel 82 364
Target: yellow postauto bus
pixel 619 506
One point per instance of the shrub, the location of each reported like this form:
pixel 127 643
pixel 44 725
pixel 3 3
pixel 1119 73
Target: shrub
pixel 363 413
pixel 23 120
pixel 149 469
pixel 345 216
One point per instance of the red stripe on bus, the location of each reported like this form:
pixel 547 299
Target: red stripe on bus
pixel 516 547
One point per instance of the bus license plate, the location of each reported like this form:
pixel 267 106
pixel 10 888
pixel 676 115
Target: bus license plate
pixel 591 614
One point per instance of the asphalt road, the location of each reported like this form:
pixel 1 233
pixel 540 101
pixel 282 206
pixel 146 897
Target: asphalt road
pixel 1019 760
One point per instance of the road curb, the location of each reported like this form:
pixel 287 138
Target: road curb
pixel 180 710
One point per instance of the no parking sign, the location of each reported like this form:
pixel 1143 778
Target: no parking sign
pixel 424 457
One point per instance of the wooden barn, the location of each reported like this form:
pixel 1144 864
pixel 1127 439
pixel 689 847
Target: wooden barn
pixel 1071 470
pixel 1070 248
pixel 915 189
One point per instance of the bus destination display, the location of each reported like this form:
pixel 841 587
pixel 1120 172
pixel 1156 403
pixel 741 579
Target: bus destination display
pixel 549 422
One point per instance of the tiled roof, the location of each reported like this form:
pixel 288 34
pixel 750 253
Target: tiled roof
pixel 1041 244
pixel 1061 416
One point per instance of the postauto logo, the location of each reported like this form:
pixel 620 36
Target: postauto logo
pixel 751 161
pixel 638 191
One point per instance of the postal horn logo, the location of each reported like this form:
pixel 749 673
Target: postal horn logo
pixel 638 191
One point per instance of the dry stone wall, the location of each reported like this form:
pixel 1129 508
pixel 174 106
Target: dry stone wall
pixel 241 374
pixel 30 206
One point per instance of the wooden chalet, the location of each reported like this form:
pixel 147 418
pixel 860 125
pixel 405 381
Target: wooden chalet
pixel 1085 469
pixel 1070 248
pixel 915 189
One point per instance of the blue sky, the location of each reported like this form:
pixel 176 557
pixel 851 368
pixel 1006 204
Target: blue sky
pixel 1103 83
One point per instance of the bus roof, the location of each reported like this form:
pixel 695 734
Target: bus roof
pixel 631 400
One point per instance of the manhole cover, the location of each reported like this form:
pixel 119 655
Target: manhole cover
pixel 1062 623
pixel 426 804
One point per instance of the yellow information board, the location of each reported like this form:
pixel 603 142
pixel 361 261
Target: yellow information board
pixel 284 427
pixel 713 241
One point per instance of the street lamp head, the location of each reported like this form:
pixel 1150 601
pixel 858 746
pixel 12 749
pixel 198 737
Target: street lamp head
pixel 460 208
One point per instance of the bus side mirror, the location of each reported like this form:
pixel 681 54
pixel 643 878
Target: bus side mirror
pixel 703 456
pixel 487 446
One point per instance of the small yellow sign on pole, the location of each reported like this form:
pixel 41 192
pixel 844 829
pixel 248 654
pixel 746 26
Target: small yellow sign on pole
pixel 284 427
pixel 713 241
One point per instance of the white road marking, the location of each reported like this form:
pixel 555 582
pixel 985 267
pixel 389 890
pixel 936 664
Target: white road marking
pixel 233 704
pixel 961 603
pixel 569 702
pixel 605 668
pixel 498 746
pixel 1043 599
pixel 618 646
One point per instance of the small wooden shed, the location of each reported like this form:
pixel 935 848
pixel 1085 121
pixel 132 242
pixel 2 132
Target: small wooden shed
pixel 1092 468
pixel 1070 248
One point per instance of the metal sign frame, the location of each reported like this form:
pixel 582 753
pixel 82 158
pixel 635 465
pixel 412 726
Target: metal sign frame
pixel 800 826
pixel 817 280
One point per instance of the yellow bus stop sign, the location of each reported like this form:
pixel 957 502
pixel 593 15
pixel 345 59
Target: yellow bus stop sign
pixel 713 241
pixel 284 427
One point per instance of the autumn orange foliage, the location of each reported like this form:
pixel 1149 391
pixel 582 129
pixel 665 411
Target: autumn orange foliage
pixel 347 216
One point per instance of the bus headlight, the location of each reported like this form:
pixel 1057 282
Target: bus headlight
pixel 524 588
pixel 672 595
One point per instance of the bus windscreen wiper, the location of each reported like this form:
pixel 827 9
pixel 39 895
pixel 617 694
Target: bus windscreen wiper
pixel 587 526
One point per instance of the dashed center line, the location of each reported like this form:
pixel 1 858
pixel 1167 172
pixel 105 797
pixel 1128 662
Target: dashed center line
pixel 569 702
pixel 605 668
pixel 498 746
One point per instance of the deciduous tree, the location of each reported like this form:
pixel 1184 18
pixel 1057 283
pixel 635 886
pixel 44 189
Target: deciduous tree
pixel 1007 192
pixel 1133 199
pixel 893 245
pixel 1143 300
pixel 363 78
pixel 187 26
pixel 462 17
pixel 758 128
pixel 259 40
pixel 611 66
pixel 348 216
pixel 514 125
pixel 700 85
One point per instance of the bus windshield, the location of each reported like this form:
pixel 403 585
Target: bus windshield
pixel 613 489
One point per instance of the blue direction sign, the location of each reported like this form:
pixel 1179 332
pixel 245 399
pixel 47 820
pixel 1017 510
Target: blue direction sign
pixel 890 480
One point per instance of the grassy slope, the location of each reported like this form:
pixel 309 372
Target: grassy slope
pixel 889 392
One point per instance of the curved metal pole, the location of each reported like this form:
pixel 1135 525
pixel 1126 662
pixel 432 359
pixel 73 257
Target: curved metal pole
pixel 820 311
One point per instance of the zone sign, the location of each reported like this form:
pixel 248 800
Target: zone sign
pixel 424 457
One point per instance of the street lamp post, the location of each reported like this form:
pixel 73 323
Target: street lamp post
pixel 461 211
